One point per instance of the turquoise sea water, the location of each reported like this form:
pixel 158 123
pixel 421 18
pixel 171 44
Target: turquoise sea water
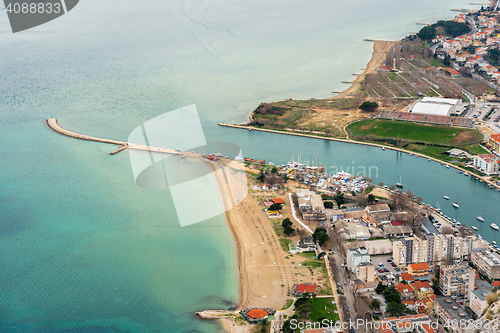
pixel 86 250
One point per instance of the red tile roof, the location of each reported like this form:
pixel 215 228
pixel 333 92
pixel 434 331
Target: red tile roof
pixel 397 223
pixel 257 313
pixel 496 137
pixel 419 266
pixel 495 284
pixel 278 201
pixel 311 289
pixel 406 277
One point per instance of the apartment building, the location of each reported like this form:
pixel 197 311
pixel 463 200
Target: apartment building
pixel 487 163
pixel 486 262
pixel 456 280
pixel 448 311
pixel 435 249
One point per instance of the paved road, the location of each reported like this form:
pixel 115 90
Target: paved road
pixel 341 277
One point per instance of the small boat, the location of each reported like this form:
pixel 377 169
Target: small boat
pixel 490 186
pixel 399 184
pixel 473 227
pixel 458 223
pixel 446 197
pixel 466 174
pixel 447 166
pixel 494 226
pixel 494 243
pixel 457 204
pixel 481 218
pixel 383 148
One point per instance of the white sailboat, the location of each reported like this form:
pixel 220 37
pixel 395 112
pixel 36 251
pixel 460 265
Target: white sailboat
pixel 481 218
pixel 446 197
pixel 494 226
pixel 457 203
pixel 399 184
pixel 474 227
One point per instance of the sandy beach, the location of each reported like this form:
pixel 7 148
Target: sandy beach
pixel 266 272
pixel 380 47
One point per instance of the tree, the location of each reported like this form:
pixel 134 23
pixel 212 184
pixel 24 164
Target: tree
pixel 275 207
pixel 303 305
pixel 340 199
pixel 261 176
pixel 371 198
pixel 427 33
pixel 391 295
pixel 320 235
pixel 368 106
pixel 321 255
pixel 396 308
pixel 328 204
pixel 286 223
pixel 380 288
pixel 288 230
pixel 375 303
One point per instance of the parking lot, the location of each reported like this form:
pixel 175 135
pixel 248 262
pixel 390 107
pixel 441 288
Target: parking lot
pixel 387 268
pixel 481 114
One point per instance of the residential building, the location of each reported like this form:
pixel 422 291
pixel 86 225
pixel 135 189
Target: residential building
pixel 397 231
pixel 487 163
pixel 456 280
pixel 448 311
pixel 421 290
pixel 299 289
pixel 355 257
pixel 419 323
pixel 380 212
pixel 351 230
pixel 405 291
pixel 435 249
pixel 365 272
pixel 487 262
pixel 478 301
pixel 306 245
pixel 368 221
pixel 418 269
pixel 494 142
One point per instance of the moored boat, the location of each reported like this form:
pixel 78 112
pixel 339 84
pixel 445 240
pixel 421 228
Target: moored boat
pixel 494 226
pixel 473 227
pixel 446 197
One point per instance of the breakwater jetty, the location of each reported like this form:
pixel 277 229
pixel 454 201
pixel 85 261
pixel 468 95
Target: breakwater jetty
pixel 54 125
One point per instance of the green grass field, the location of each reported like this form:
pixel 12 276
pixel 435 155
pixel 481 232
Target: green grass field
pixel 382 129
pixel 323 308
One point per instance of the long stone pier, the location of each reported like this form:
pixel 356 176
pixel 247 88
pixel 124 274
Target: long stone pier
pixel 52 123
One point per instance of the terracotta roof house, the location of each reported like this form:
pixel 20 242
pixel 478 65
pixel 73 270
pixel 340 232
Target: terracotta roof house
pixel 302 288
pixel 418 269
pixel 256 315
pixel 278 201
pixel 407 277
